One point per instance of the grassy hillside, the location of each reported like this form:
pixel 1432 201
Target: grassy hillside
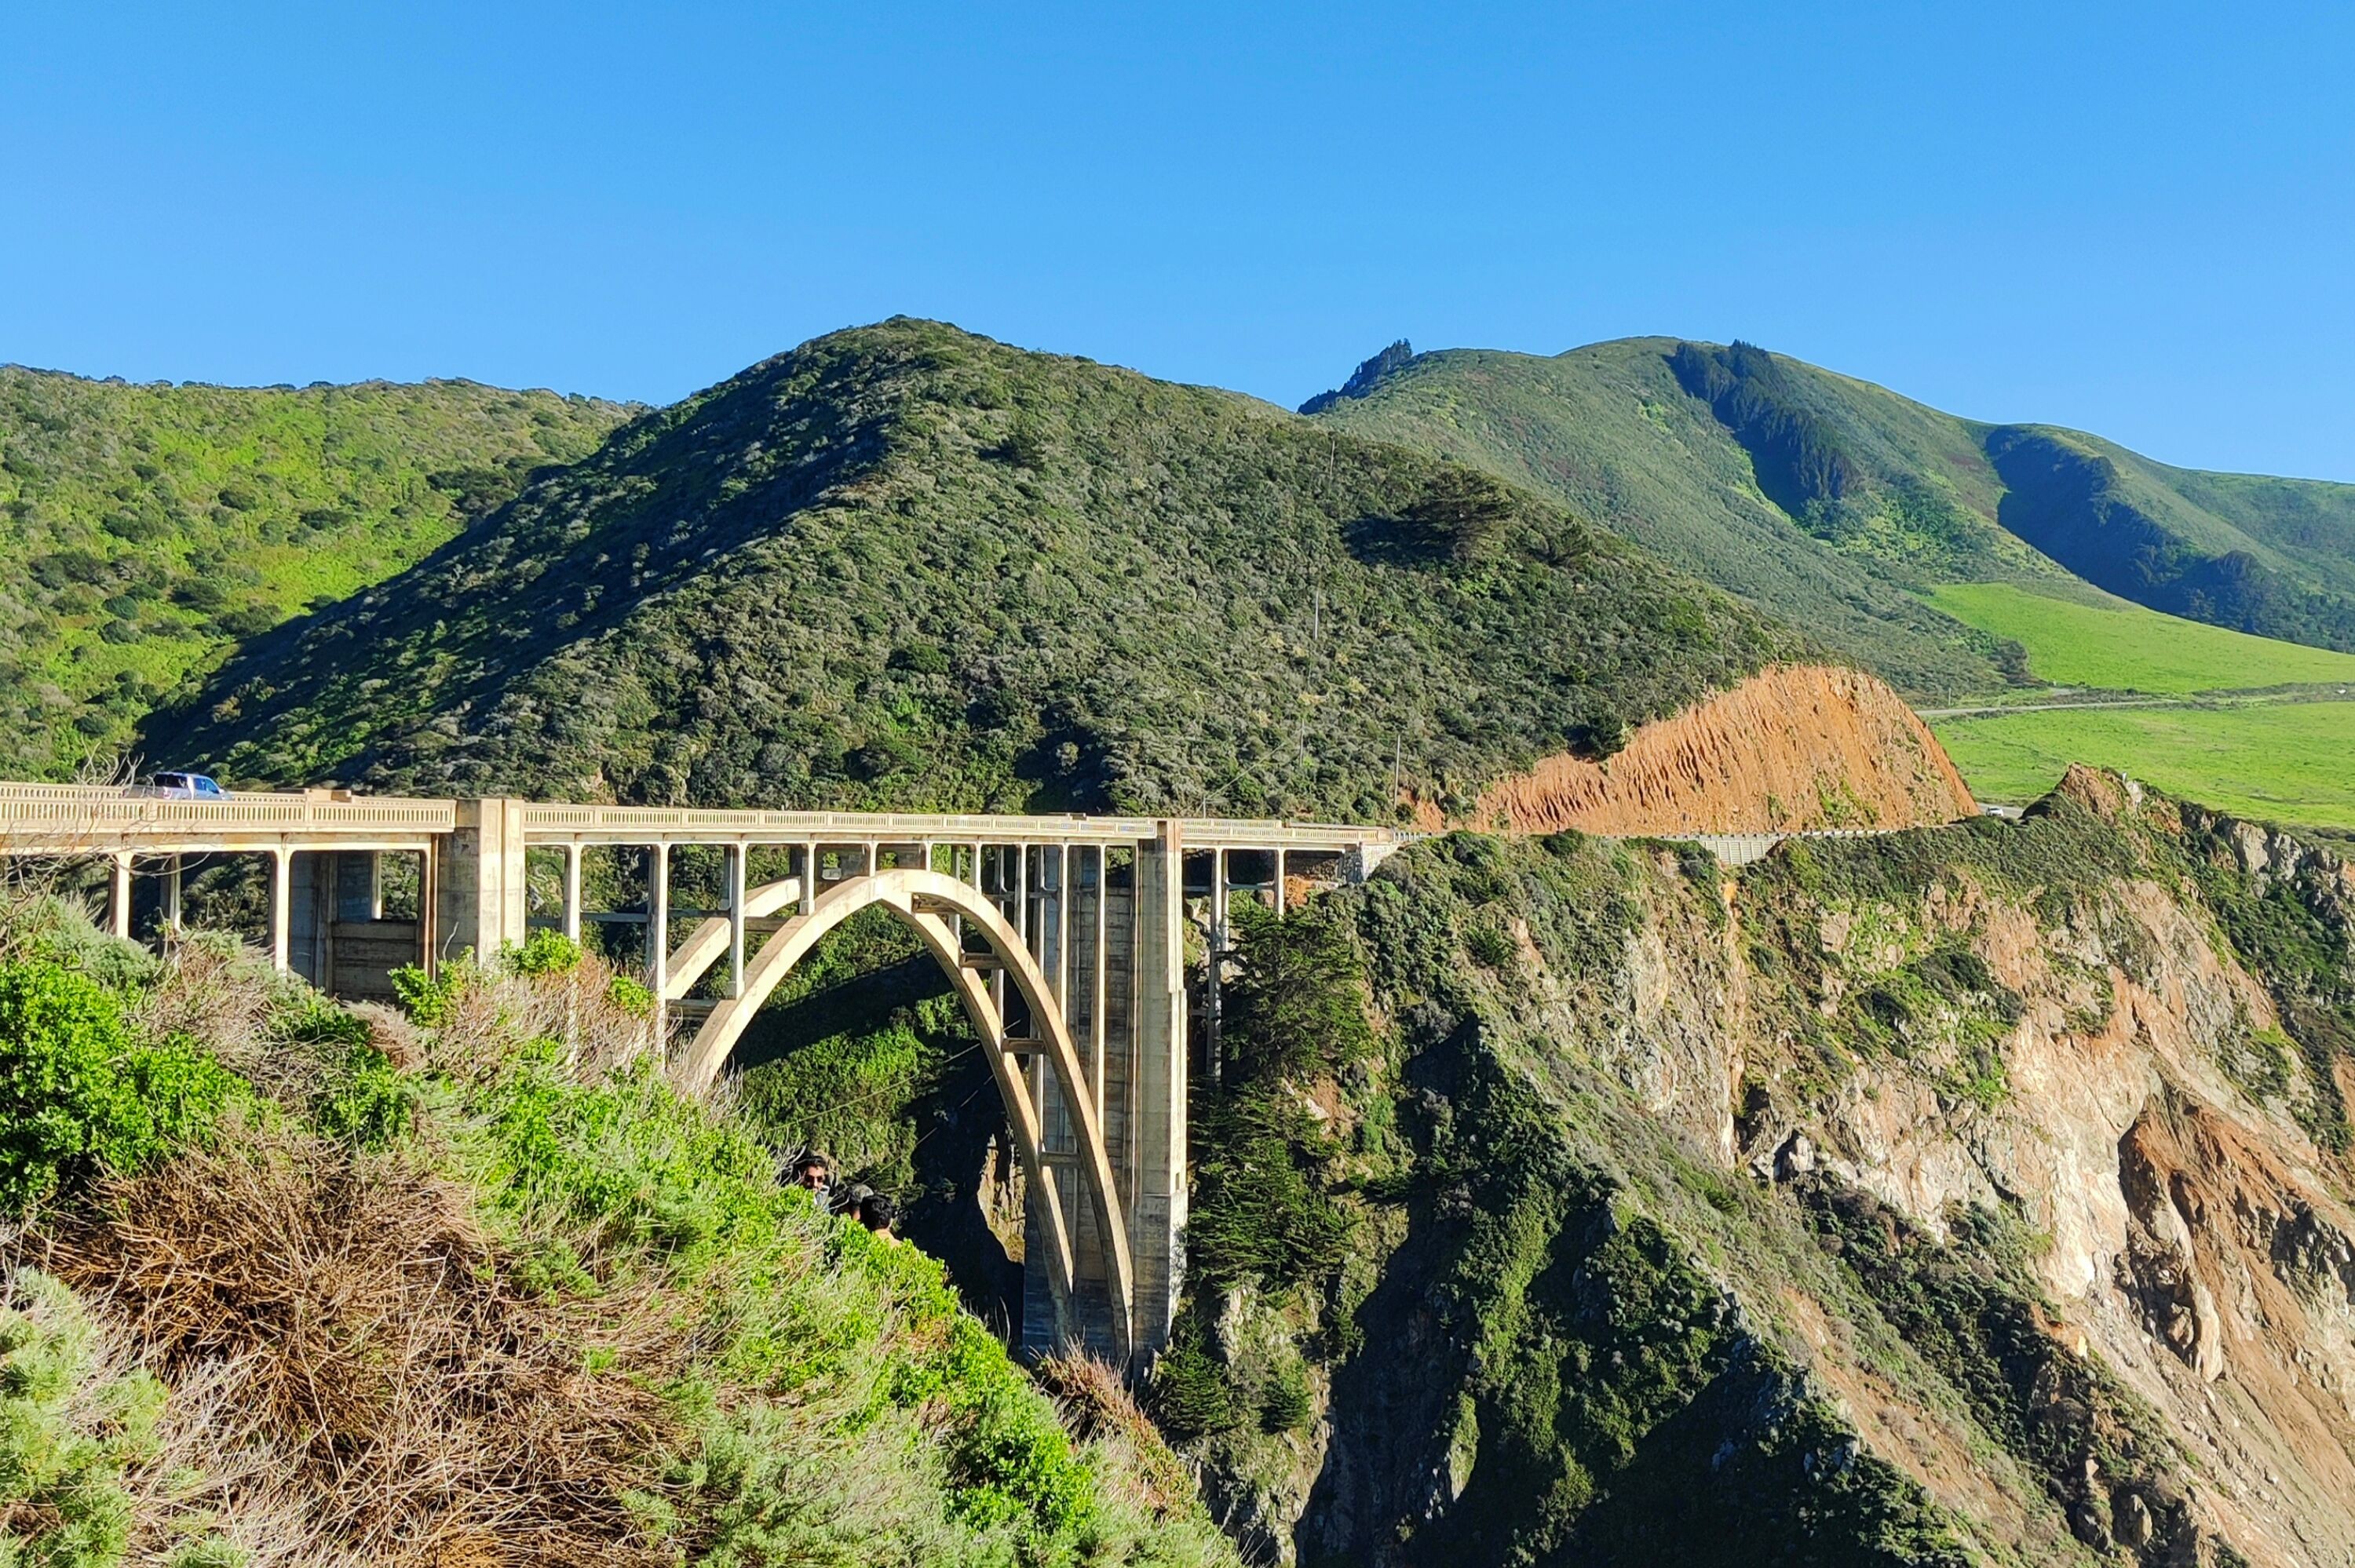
pixel 903 564
pixel 1610 429
pixel 2277 758
pixel 2268 555
pixel 2274 762
pixel 474 1285
pixel 2076 640
pixel 1812 492
pixel 145 529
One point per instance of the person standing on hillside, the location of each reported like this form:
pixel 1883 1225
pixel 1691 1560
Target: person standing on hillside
pixel 814 1175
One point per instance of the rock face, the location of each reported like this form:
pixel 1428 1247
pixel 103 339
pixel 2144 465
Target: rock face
pixel 2055 1112
pixel 1795 746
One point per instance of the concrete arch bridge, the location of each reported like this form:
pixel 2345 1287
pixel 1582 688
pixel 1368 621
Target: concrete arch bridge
pixel 1062 936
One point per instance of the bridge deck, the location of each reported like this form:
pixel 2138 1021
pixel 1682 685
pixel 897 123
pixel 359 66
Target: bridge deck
pixel 52 818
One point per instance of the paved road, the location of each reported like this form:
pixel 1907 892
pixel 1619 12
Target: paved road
pixel 2194 700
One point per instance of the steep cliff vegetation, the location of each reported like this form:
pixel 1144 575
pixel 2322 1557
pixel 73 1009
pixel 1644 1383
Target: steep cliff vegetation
pixel 902 564
pixel 468 1283
pixel 143 529
pixel 1970 1194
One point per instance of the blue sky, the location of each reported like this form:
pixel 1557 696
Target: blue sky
pixel 2140 221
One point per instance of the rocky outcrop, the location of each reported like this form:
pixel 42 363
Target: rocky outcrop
pixel 2137 1072
pixel 2060 1102
pixel 1795 746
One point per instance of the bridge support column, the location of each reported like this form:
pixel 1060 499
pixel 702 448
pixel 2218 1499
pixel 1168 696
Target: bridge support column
pixel 1213 997
pixel 658 929
pixel 1100 965
pixel 478 879
pixel 281 908
pixel 1158 1211
pixel 171 911
pixel 572 892
pixel 737 855
pixel 118 896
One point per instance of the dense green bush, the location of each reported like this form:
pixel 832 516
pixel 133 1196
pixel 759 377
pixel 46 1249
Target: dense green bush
pixel 81 1092
pixel 1192 1395
pixel 72 1424
pixel 544 952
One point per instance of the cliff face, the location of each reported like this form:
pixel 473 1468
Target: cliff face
pixel 2014 1156
pixel 1794 747
pixel 2141 1061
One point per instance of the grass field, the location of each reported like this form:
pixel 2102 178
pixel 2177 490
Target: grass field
pixel 2119 646
pixel 2279 761
pixel 2284 762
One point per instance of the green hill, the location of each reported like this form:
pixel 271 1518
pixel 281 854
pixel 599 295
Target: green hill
pixel 1610 429
pixel 2274 556
pixel 1818 496
pixel 145 529
pixel 903 564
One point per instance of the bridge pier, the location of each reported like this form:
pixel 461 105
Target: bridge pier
pixel 659 931
pixel 572 891
pixel 118 896
pixel 478 884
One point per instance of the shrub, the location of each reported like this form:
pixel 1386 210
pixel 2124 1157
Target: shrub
pixel 429 998
pixel 362 1100
pixel 630 995
pixel 544 952
pixel 1286 1405
pixel 200 594
pixel 1490 946
pixel 246 620
pixel 1191 1395
pixel 79 1093
pixel 71 1425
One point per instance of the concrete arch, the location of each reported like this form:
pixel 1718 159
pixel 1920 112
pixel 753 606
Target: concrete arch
pixel 921 899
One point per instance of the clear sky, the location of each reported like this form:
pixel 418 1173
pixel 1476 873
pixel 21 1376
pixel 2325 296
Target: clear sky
pixel 2138 219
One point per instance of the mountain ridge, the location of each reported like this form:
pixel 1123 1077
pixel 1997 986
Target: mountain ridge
pixel 1820 495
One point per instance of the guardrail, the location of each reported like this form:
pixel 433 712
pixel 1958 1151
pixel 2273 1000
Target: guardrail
pixel 71 816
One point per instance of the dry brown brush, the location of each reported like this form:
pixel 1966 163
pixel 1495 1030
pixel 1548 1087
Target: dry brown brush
pixel 346 1327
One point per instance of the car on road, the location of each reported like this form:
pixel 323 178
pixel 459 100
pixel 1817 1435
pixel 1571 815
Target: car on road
pixel 188 787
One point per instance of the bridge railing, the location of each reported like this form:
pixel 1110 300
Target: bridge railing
pixel 72 814
pixel 547 822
